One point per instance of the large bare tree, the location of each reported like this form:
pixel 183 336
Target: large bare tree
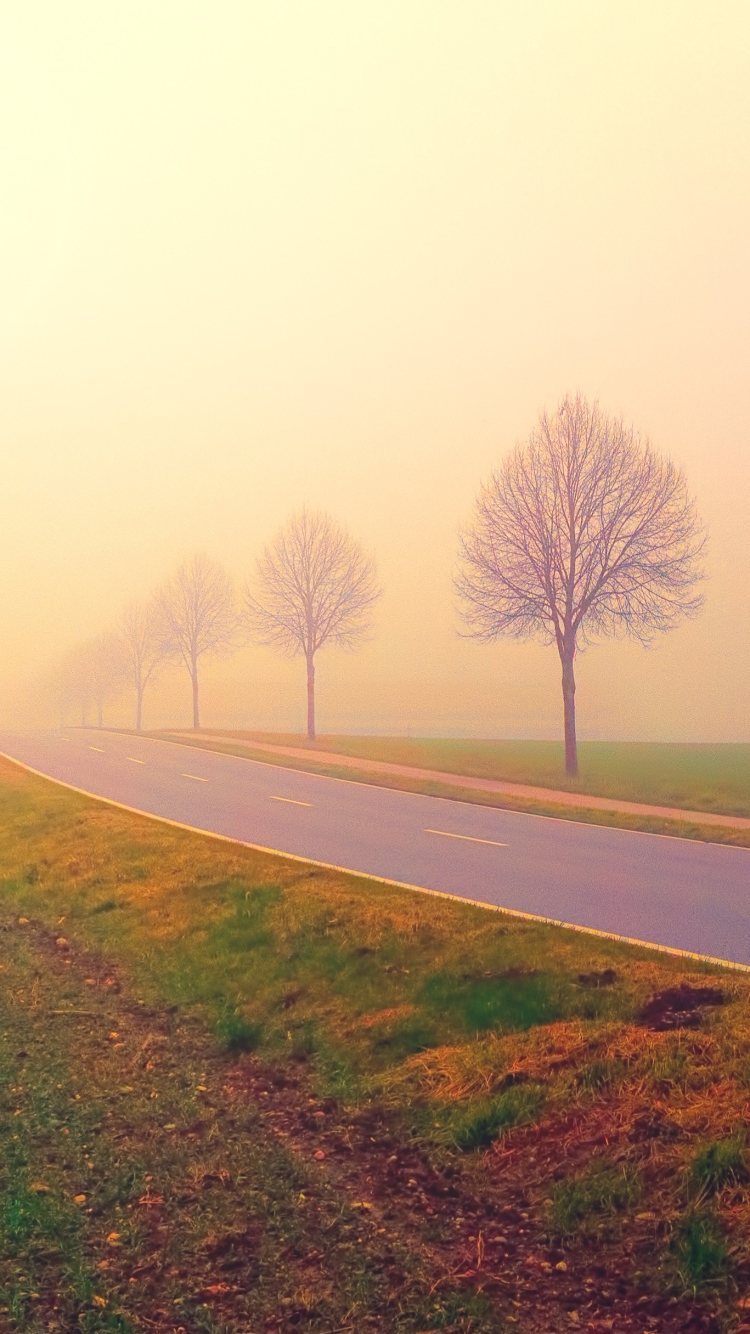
pixel 314 585
pixel 142 648
pixel 198 615
pixel 583 531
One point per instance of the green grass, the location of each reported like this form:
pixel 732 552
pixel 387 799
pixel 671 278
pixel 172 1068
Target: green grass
pixel 701 777
pixel 277 955
pixel 236 1034
pixel 480 1123
pixel 701 1249
pixel 467 1036
pixel 596 1194
pixel 722 1163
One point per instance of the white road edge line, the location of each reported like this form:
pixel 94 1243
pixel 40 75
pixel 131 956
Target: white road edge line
pixel 291 801
pixel 468 838
pixel 195 778
pixel 381 879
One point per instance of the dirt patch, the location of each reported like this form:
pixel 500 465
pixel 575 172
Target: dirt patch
pixel 606 978
pixel 679 1007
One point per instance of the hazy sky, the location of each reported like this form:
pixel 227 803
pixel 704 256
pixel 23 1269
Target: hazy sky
pixel 254 255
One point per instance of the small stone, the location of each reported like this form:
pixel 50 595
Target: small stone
pixel 561 1265
pixel 79 1199
pixel 62 943
pixel 39 1188
pixel 23 921
pixel 319 1154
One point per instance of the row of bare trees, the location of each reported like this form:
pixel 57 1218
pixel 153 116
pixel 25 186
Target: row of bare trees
pixel 313 585
pixel 584 531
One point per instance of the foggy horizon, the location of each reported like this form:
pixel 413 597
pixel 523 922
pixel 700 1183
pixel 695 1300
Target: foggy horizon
pixel 254 260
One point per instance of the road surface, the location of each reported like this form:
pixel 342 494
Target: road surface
pixel 672 892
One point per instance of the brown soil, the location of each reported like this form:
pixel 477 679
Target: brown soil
pixel 606 978
pixel 679 1007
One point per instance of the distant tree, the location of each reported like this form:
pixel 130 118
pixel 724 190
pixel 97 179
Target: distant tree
pixel 72 678
pixel 313 585
pixel 198 616
pixel 105 668
pixel 583 531
pixel 90 673
pixel 142 649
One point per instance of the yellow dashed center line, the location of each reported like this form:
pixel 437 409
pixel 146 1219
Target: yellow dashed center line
pixel 194 777
pixel 99 748
pixel 291 801
pixel 133 760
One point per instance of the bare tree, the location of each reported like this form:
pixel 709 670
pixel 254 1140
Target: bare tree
pixel 142 649
pixel 314 585
pixel 72 678
pixel 105 670
pixel 198 615
pixel 89 673
pixel 584 531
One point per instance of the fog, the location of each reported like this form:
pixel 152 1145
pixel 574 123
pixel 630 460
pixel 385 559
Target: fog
pixel 254 257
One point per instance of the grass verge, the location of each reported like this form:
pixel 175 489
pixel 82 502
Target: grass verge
pixel 238 1093
pixel 694 776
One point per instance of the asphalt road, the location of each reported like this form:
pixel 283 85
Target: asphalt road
pixel 667 891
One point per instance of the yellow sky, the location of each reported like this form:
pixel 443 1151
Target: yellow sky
pixel 254 255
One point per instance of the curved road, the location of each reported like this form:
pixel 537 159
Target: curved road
pixel 672 892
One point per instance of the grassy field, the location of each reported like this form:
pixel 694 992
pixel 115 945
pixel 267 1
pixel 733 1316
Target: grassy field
pixel 712 778
pixel 240 1094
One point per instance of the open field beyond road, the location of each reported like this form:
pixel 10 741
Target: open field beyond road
pixel 242 1094
pixel 712 778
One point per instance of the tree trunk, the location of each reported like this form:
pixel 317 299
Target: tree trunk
pixel 311 698
pixel 569 711
pixel 196 718
pixel 138 708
